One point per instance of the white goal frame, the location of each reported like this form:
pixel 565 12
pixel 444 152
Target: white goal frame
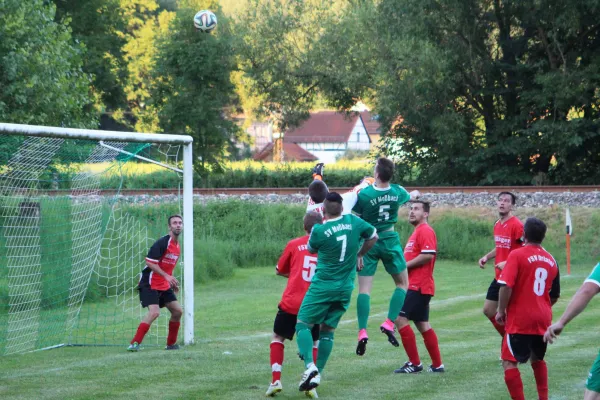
pixel 188 191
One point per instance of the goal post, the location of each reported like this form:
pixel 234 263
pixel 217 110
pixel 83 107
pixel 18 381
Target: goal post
pixel 100 235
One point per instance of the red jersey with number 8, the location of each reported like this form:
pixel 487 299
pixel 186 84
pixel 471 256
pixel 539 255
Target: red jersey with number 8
pixel 300 265
pixel 533 275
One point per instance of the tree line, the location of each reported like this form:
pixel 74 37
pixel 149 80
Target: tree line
pixel 469 92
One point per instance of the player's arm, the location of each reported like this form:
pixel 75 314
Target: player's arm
pixel 427 242
pixel 555 289
pixel 157 250
pixel 507 281
pixel 369 233
pixel 589 289
pixel 314 241
pixel 486 258
pixel 419 260
pixel 283 265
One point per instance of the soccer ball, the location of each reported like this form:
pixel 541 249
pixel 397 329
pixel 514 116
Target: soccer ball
pixel 205 21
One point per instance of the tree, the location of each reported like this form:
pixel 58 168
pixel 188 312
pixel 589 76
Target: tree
pixel 41 77
pixel 193 92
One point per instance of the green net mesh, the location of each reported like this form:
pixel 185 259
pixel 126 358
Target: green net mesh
pixel 78 218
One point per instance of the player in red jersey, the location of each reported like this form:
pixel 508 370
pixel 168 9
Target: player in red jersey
pixel 420 253
pixel 298 265
pixel 530 285
pixel 158 286
pixel 508 233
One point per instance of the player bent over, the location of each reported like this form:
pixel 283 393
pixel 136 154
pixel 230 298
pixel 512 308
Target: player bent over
pixel 420 254
pixel 530 285
pixel 158 286
pixel 298 265
pixel 340 255
pixel 589 289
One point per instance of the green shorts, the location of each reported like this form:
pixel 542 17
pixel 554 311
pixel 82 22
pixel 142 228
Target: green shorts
pixel 389 251
pixel 593 380
pixel 322 306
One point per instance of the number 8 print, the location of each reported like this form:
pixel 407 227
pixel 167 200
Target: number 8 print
pixel 540 281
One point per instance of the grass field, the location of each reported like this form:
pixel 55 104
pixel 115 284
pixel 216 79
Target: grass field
pixel 230 359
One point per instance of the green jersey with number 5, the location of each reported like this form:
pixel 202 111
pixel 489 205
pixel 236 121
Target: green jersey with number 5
pixel 337 242
pixel 379 207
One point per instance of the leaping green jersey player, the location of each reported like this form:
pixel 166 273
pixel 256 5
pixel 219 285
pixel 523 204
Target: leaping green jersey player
pixel 378 205
pixel 340 255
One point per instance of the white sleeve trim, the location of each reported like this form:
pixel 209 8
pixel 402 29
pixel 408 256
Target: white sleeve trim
pixel 374 233
pixel 592 281
pixel 428 252
pixel 502 283
pixel 152 260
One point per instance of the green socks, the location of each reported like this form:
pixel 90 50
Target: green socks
pixel 363 307
pixel 396 304
pixel 325 347
pixel 305 343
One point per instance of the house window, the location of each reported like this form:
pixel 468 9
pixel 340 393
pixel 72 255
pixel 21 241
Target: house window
pixel 358 136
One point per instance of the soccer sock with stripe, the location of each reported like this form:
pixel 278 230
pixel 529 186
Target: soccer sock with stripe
pixel 431 343
pixel 173 331
pixel 540 371
pixel 499 328
pixel 396 303
pixel 276 356
pixel 325 347
pixel 315 350
pixel 305 343
pixel 512 377
pixel 140 333
pixel 363 307
pixel 410 345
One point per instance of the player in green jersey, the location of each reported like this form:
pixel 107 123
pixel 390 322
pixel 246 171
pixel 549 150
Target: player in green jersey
pixel 378 205
pixel 340 254
pixel 590 288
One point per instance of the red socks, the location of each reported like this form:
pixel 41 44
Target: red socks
pixel 315 353
pixel 499 328
pixel 540 371
pixel 141 332
pixel 276 359
pixel 512 377
pixel 173 331
pixel 431 343
pixel 410 344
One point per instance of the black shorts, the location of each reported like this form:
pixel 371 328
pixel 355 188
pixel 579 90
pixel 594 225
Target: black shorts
pixel 285 325
pixel 493 291
pixel 416 306
pixel 518 348
pixel 149 296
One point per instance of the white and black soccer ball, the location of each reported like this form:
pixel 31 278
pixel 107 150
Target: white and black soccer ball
pixel 205 21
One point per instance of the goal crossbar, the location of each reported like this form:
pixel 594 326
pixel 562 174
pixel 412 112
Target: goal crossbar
pixel 186 142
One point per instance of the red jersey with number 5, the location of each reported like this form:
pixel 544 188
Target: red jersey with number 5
pixel 300 265
pixel 533 275
pixel 508 237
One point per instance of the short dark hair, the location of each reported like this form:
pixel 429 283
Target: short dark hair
pixel 175 216
pixel 333 204
pixel 385 169
pixel 535 230
pixel 426 204
pixel 512 197
pixel 311 219
pixel 317 191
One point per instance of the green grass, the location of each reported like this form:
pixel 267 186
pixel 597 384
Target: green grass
pixel 230 360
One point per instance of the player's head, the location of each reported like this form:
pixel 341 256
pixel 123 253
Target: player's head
pixel 333 205
pixel 175 224
pixel 384 169
pixel 311 219
pixel 535 230
pixel 506 201
pixel 419 212
pixel 317 191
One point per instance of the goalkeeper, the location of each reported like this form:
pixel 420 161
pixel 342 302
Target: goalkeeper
pixel 158 286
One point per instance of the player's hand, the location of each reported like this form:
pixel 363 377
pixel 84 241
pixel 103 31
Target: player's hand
pixel 501 318
pixel 552 332
pixel 482 262
pixel 359 263
pixel 501 265
pixel 415 194
pixel 173 282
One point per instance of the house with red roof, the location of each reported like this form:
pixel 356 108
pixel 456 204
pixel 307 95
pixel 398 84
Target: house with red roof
pixel 325 136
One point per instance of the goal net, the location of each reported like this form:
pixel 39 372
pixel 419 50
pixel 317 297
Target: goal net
pixel 79 211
